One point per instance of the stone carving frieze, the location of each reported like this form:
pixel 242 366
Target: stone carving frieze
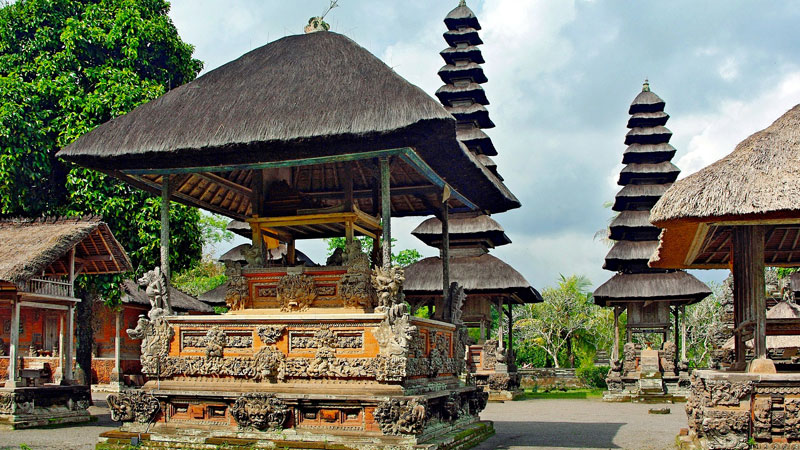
pixel 762 418
pixel 260 411
pixel 155 334
pixel 231 341
pixel 355 286
pixel 438 354
pixel 133 405
pixel 728 393
pixel 629 353
pixel 726 429
pixel 452 407
pixel 668 355
pixel 792 417
pixel 269 363
pixel 270 334
pixel 388 284
pixel 215 342
pixel 296 292
pixel 237 296
pixel 489 351
pixel 401 416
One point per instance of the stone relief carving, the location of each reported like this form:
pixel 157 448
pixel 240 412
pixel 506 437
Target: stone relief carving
pixel 489 354
pixel 439 352
pixel 499 382
pixel 355 286
pixel 478 400
pixel 792 417
pixel 215 342
pixel 269 362
pixel 762 418
pixel 252 255
pixel 296 292
pixel 388 284
pixel 394 336
pixel 133 405
pixel 236 295
pixel 155 334
pixel 629 358
pixel 270 334
pixel 726 429
pixel 452 407
pixel 401 416
pixel 728 393
pixel 668 354
pixel 156 289
pixel 342 341
pixel 260 411
pixel 7 402
pixel 694 404
pixel 231 341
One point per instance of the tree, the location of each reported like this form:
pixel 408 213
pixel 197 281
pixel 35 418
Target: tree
pixel 403 258
pixel 67 66
pixel 705 326
pixel 551 325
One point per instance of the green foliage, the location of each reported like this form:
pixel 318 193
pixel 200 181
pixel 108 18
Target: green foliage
pixel 67 66
pixel 784 272
pixel 593 376
pixel 403 258
pixel 424 312
pixel 215 229
pixel 527 353
pixel 220 309
pixel 204 276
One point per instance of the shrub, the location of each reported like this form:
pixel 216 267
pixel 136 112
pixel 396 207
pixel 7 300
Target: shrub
pixel 593 376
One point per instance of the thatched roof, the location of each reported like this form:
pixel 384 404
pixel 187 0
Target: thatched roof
pixel 236 254
pixel 646 101
pixel 638 194
pixel 648 119
pixel 625 253
pixel 660 173
pixel 31 247
pixel 676 287
pixel 479 275
pixel 300 97
pixel 464 229
pixel 467 35
pixel 757 183
pixel 452 55
pixel 648 135
pixel 633 225
pixel 476 140
pixel 461 16
pixel 133 294
pixel 473 70
pixel 781 310
pixel 473 113
pixel 648 153
pixel 216 296
pixel 473 91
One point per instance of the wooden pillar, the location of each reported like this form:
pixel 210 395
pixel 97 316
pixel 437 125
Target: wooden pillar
pixel 683 332
pixel 499 307
pixel 376 243
pixel 13 351
pixel 748 288
pixel 446 253
pixel 291 252
pixel 116 374
pixel 72 272
pixel 483 331
pixel 70 342
pixel 615 342
pixel 510 316
pixel 61 364
pixel 165 227
pixel 256 206
pixel 386 211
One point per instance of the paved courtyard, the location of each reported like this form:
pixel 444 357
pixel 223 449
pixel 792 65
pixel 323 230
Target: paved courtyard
pixel 521 425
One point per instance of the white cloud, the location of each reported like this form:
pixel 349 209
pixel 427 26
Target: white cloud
pixel 715 133
pixel 729 69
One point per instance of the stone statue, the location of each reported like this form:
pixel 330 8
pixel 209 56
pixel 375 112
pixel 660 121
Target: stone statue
pixel 156 289
pixel 389 285
pixel 296 292
pixel 236 295
pixel 355 286
pixel 156 334
pixel 253 257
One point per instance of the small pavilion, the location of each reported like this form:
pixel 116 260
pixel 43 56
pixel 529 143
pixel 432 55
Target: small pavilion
pixel 465 238
pixel 648 295
pixel 39 261
pixel 307 137
pixel 742 213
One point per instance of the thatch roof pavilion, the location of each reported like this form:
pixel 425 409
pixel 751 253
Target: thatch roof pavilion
pixel 647 293
pixel 179 301
pixel 740 212
pixel 39 261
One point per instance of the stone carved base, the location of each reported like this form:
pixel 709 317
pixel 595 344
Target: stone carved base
pixel 729 410
pixel 47 405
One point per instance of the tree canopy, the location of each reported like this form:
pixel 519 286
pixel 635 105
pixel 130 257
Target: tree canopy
pixel 67 66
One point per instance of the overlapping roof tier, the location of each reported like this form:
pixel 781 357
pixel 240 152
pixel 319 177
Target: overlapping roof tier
pixel 311 107
pixel 647 174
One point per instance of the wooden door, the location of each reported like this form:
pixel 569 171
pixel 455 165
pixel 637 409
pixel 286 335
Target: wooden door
pixel 51 332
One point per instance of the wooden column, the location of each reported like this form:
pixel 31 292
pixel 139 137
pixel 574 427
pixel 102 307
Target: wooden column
pixel 683 332
pixel 615 342
pixel 510 315
pixel 386 212
pixel 72 272
pixel 446 252
pixel 70 342
pixel 116 374
pixel 256 206
pixel 483 332
pixel 748 288
pixel 499 307
pixel 376 243
pixel 165 227
pixel 13 350
pixel 291 252
pixel 61 329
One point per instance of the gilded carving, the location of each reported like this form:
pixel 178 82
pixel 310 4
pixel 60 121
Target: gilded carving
pixel 270 334
pixel 401 416
pixel 133 405
pixel 236 295
pixel 260 411
pixel 296 292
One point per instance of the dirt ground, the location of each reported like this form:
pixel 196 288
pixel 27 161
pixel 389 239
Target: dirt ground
pixel 520 425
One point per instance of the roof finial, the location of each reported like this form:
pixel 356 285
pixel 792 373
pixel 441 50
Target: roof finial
pixel 462 3
pixel 318 23
pixel 646 86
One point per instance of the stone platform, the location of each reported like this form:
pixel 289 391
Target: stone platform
pixel 26 407
pixel 737 410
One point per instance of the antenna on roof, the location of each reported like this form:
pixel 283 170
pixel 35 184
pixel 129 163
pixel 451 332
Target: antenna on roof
pixel 317 23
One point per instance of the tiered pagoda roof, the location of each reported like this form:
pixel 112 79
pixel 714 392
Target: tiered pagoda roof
pixel 471 234
pixel 647 174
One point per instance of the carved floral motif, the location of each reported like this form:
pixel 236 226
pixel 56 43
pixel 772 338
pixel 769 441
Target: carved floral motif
pixel 296 292
pixel 726 429
pixel 401 416
pixel 260 411
pixel 133 405
pixel 489 351
pixel 728 393
pixel 270 334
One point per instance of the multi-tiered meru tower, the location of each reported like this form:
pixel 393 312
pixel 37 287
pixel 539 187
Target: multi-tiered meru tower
pixel 649 295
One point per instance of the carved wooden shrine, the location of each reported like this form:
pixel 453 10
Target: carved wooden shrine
pixel 648 295
pixel 308 356
pixel 743 214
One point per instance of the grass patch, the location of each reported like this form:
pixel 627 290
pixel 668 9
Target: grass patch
pixel 570 394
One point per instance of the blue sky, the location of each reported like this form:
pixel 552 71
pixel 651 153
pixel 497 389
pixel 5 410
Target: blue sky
pixel 562 74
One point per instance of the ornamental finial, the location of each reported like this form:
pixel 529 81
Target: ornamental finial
pixel 462 2
pixel 646 86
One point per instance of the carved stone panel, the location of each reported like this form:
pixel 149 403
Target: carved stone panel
pixel 762 418
pixel 401 416
pixel 270 334
pixel 133 405
pixel 260 411
pixel 296 292
pixel 726 429
pixel 792 417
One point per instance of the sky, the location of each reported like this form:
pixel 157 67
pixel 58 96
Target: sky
pixel 562 74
